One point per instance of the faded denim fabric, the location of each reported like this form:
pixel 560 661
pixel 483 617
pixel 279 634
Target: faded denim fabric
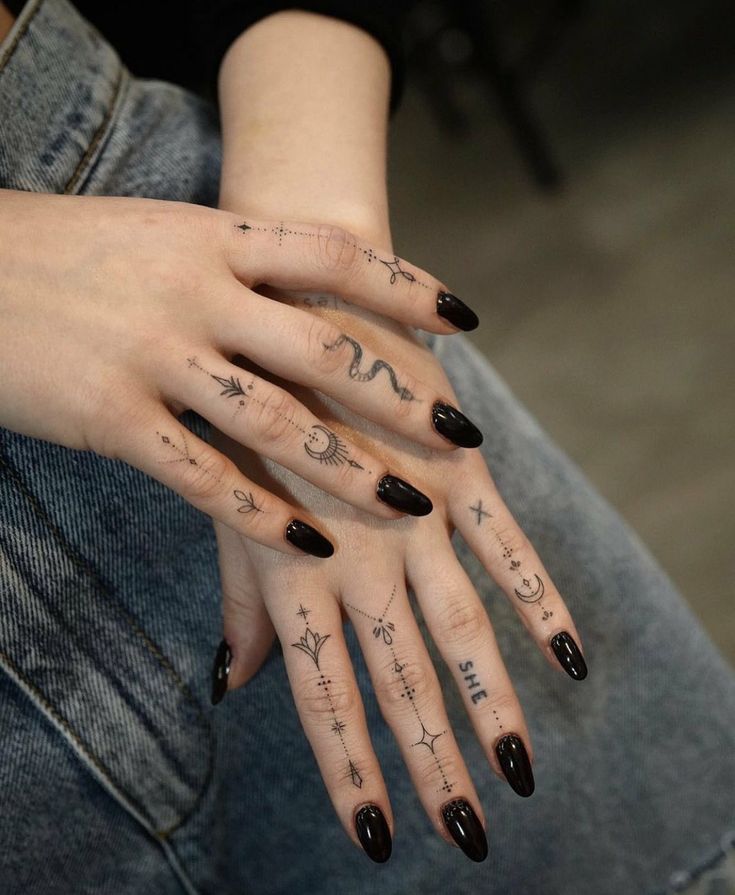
pixel 116 774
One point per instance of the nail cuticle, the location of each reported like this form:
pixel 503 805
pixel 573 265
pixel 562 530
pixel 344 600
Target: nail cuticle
pixel 402 496
pixel 373 833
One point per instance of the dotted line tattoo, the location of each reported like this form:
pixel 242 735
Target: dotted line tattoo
pixel 354 372
pixel 321 443
pixel 530 591
pixel 311 644
pixel 384 630
pixel 369 254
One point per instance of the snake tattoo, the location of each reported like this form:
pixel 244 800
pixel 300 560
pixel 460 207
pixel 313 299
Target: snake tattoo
pixel 405 394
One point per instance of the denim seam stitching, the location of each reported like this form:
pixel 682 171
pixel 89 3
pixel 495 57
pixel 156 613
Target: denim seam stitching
pixel 99 133
pixel 21 31
pixel 83 563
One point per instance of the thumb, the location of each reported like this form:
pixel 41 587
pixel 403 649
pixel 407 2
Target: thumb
pixel 248 632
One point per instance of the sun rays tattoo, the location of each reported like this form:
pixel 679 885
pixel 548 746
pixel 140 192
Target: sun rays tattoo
pixel 354 371
pixel 369 254
pixel 530 590
pixel 312 644
pixel 384 629
pixel 321 443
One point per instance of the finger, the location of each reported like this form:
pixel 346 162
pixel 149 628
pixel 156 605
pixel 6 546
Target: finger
pixel 410 699
pixel 332 715
pixel 321 356
pixel 153 440
pixel 272 422
pixel 247 628
pixel 296 255
pixel 462 631
pixel 500 544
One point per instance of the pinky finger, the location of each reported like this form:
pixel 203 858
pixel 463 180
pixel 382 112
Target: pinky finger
pixel 159 445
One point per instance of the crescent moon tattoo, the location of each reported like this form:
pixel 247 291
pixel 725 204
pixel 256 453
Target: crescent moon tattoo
pixel 535 595
pixel 326 446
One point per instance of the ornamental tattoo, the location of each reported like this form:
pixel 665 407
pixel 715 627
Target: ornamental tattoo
pixel 312 644
pixel 368 253
pixel 530 590
pixel 384 629
pixel 354 372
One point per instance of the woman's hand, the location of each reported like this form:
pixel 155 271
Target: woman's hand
pixel 367 581
pixel 119 314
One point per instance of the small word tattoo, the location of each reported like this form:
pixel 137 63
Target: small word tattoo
pixel 246 500
pixel 531 590
pixel 472 681
pixel 354 372
pixel 368 253
pixel 328 448
pixel 383 630
pixel 312 644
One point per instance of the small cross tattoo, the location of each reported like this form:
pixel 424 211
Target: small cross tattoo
pixel 303 612
pixel 480 512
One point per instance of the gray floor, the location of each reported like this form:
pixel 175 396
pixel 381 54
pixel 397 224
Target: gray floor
pixel 607 307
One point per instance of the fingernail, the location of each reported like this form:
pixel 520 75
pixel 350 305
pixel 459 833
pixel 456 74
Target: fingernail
pixel 455 426
pixel 456 312
pixel 373 833
pixel 569 656
pixel 220 671
pixel 402 496
pixel 308 539
pixel 514 761
pixel 465 828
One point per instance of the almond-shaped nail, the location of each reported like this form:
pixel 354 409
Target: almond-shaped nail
pixel 569 657
pixel 454 425
pixel 374 833
pixel 403 497
pixel 308 539
pixel 515 763
pixel 465 828
pixel 220 672
pixel 456 312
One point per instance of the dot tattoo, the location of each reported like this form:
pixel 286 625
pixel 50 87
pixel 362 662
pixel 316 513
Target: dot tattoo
pixel 384 629
pixel 354 372
pixel 312 644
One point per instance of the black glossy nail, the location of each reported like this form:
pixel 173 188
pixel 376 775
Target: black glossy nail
pixel 220 671
pixel 308 539
pixel 449 422
pixel 465 828
pixel 514 761
pixel 456 312
pixel 569 656
pixel 402 496
pixel 373 833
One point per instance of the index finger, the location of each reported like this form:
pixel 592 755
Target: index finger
pixel 295 255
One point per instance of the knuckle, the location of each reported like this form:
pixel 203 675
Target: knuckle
pixel 337 249
pixel 327 350
pixel 274 418
pixel 325 697
pixel 502 701
pixel 436 774
pixel 203 475
pixel 412 684
pixel 461 621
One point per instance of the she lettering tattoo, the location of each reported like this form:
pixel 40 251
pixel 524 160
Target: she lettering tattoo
pixel 530 590
pixel 355 373
pixel 383 630
pixel 312 644
pixel 472 681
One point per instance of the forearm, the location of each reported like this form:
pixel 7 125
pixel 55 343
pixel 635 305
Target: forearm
pixel 304 107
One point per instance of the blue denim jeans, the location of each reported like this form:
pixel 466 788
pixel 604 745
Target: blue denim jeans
pixel 116 774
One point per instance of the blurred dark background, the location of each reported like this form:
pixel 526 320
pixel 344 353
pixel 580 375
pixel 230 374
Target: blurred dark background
pixel 569 170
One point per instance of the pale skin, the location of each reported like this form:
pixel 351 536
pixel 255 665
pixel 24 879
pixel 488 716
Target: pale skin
pixel 288 146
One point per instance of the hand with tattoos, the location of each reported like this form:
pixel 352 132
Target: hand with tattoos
pixel 119 314
pixel 367 582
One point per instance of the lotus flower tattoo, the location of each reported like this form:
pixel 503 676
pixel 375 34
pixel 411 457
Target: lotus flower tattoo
pixel 311 643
